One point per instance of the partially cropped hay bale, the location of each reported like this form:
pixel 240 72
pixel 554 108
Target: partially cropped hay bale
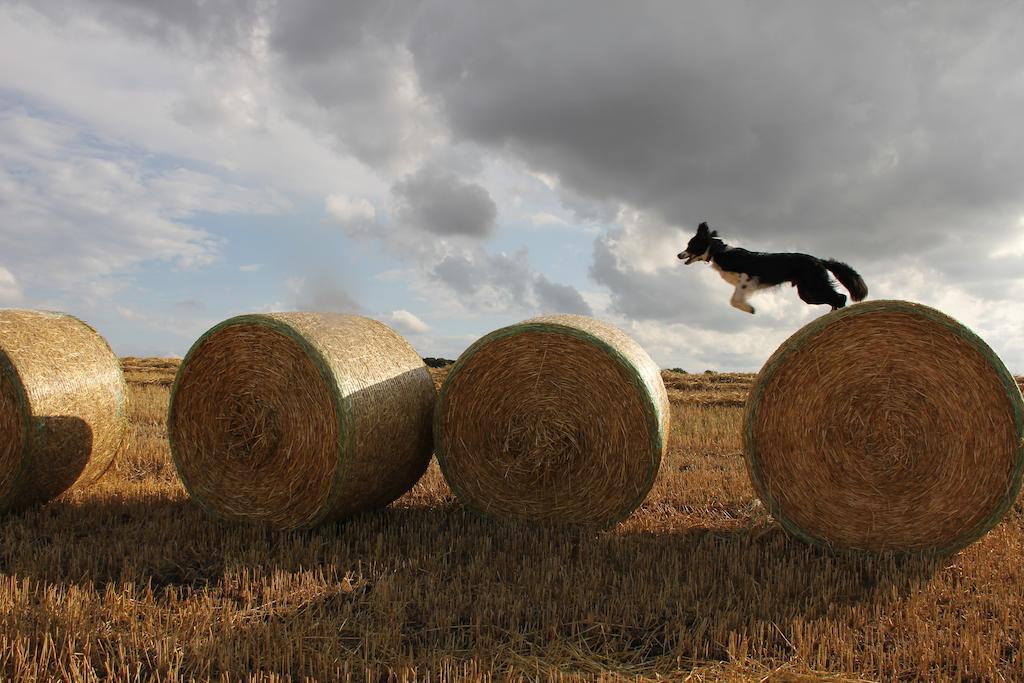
pixel 293 419
pixel 560 418
pixel 885 426
pixel 62 406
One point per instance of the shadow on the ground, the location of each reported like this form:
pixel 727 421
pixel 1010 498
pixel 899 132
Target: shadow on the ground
pixel 162 542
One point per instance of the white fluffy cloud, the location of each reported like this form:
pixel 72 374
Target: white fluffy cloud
pixel 319 292
pixel 407 322
pixel 440 202
pixel 345 209
pixel 187 80
pixel 10 291
pixel 74 212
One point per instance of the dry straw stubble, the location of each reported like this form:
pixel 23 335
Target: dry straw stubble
pixel 63 415
pixel 886 426
pixel 294 419
pixel 561 418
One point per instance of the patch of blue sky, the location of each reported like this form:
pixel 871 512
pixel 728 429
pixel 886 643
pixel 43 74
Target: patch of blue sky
pixel 562 253
pixel 159 307
pixel 263 252
pixel 87 142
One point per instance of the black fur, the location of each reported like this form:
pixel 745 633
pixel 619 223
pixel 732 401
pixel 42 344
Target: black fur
pixel 805 272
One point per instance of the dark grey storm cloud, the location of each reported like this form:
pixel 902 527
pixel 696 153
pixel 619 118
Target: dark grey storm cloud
pixel 316 31
pixel 805 122
pixel 347 68
pixel 482 279
pixel 458 273
pixel 440 202
pixel 553 297
pixel 506 277
pixel 320 292
pixel 209 25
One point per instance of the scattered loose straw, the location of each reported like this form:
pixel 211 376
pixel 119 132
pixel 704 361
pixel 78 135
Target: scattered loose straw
pixel 886 426
pixel 62 406
pixel 293 419
pixel 560 418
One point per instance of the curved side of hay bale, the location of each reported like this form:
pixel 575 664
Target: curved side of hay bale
pixel 886 426
pixel 294 419
pixel 63 416
pixel 562 418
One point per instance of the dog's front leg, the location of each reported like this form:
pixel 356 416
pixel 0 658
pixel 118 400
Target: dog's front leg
pixel 740 294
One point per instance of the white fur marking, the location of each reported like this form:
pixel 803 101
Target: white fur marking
pixel 745 286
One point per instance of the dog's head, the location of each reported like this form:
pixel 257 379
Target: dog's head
pixel 699 247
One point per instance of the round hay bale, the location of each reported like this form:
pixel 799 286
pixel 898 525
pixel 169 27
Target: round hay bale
pixel 63 414
pixel 885 426
pixel 561 418
pixel 293 419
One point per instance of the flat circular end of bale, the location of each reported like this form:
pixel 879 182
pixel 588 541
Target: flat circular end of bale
pixel 885 426
pixel 63 415
pixel 292 419
pixel 560 418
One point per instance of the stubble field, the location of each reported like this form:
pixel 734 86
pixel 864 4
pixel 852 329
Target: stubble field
pixel 128 580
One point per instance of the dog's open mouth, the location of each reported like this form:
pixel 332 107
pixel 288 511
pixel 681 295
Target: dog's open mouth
pixel 689 259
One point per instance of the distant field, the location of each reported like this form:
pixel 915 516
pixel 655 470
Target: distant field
pixel 128 580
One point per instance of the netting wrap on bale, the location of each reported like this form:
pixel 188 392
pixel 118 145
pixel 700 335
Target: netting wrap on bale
pixel 63 416
pixel 885 426
pixel 293 419
pixel 560 418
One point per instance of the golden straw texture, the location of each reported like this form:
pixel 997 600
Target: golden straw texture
pixel 62 406
pixel 561 418
pixel 885 426
pixel 293 419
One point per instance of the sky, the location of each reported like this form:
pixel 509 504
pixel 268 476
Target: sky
pixel 451 168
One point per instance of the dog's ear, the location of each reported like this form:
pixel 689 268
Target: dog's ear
pixel 702 229
pixel 714 233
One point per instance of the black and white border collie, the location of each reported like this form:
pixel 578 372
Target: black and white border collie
pixel 750 271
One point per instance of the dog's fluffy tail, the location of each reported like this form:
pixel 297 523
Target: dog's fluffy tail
pixel 849 278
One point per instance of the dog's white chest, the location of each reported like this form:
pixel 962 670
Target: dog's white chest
pixel 728 276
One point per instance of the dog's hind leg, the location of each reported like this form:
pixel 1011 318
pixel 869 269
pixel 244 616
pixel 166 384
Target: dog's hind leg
pixel 820 293
pixel 744 288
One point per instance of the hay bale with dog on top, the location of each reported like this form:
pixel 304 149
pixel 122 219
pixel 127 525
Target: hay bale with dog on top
pixel 560 418
pixel 885 426
pixel 293 419
pixel 63 415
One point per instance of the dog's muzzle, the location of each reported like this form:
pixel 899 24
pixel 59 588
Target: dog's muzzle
pixel 689 258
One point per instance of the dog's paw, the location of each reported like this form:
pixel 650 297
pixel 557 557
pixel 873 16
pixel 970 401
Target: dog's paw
pixel 742 305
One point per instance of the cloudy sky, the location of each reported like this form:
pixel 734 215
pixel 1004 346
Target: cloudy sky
pixel 452 167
